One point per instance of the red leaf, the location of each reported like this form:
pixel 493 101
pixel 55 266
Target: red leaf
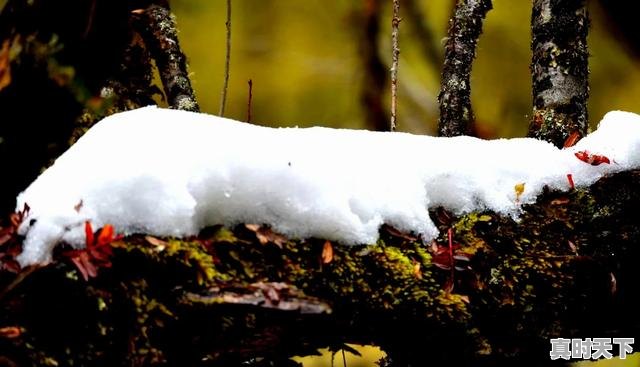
pixel 88 231
pixel 79 264
pixel 572 139
pixel 10 332
pixel 97 252
pixel 106 235
pixel 570 179
pixel 327 253
pixel 592 159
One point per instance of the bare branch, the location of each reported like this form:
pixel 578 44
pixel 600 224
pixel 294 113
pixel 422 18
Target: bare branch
pixel 227 59
pixel 559 70
pixel 158 29
pixel 395 56
pixel 465 27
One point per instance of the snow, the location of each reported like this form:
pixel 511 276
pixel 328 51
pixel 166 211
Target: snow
pixel 171 173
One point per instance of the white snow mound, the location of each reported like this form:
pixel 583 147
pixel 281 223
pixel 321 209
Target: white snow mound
pixel 171 173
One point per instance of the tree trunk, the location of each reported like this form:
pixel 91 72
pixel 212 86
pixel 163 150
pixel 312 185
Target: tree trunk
pixel 456 115
pixel 559 70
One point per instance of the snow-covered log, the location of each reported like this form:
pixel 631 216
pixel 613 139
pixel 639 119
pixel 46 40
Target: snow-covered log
pixel 491 283
pixel 172 173
pixel 231 297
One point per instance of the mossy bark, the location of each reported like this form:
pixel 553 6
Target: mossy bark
pixel 559 70
pixel 465 26
pixel 566 269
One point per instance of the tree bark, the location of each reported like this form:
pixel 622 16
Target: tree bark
pixel 559 70
pixel 158 29
pixel 456 115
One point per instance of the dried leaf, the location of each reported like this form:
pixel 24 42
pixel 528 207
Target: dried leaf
pixel 10 332
pixel 253 227
pixel 97 252
pixel 265 235
pixel 397 233
pixel 560 201
pixel 592 159
pixel 572 139
pixel 77 261
pixel 158 243
pixel 417 272
pixel 519 188
pixel 5 65
pixel 570 179
pixel 88 232
pixel 448 285
pixel 105 236
pixel 327 252
pixel 5 235
pixel 78 206
pixel 444 217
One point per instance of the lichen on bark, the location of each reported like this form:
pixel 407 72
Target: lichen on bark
pixel 158 29
pixel 456 115
pixel 559 70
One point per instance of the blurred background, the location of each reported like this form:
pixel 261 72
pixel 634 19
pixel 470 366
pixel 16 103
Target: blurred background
pixel 308 61
pixel 310 64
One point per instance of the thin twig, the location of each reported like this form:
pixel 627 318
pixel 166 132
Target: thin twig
pixel 227 59
pixel 249 102
pixel 395 23
pixel 559 70
pixel 18 279
pixel 157 27
pixel 465 27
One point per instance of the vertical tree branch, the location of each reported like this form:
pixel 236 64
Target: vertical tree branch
pixel 158 30
pixel 465 27
pixel 559 69
pixel 375 74
pixel 227 59
pixel 395 58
